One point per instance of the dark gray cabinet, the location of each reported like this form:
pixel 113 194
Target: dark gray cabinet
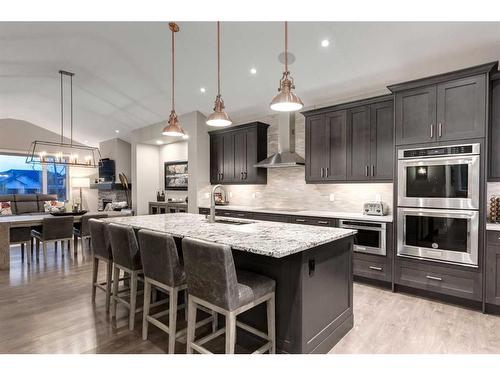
pixel 350 142
pixel 494 134
pixel 493 268
pixel 234 151
pixel 446 107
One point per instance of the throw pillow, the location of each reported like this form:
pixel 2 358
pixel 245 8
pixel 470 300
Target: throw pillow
pixel 5 208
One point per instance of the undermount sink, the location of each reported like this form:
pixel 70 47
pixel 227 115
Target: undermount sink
pixel 233 222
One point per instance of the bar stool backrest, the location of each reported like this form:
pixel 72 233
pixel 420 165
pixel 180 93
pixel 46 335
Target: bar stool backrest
pixel 159 256
pixel 54 228
pixel 124 246
pixel 210 272
pixel 99 236
pixel 85 229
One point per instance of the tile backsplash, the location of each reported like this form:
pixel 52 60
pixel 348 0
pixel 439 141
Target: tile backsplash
pixel 286 187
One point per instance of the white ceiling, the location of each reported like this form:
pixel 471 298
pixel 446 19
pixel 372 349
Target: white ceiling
pixel 122 69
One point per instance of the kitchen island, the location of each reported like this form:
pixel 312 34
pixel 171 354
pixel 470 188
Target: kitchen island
pixel 312 267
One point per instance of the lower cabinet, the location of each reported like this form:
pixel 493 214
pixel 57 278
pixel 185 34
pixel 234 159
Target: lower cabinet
pixel 307 220
pixel 445 280
pixel 371 266
pixel 493 268
pixel 156 208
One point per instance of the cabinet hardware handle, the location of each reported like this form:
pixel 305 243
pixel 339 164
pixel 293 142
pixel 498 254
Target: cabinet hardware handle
pixel 373 170
pixel 300 220
pixel 375 268
pixel 241 177
pixel 434 278
pixel 322 172
pixel 326 172
pixel 432 130
pixel 367 171
pixel 440 130
pixel 323 222
pixel 245 175
pixel 222 176
pixel 241 215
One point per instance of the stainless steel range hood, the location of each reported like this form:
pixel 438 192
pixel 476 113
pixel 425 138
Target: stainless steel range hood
pixel 286 156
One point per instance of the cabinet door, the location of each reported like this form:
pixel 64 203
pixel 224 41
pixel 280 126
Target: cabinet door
pixel 461 109
pixel 416 115
pixel 216 158
pixel 493 268
pixel 382 141
pixel 494 139
pixel 227 175
pixel 240 156
pixel 336 126
pixel 358 159
pixel 251 157
pixel 317 148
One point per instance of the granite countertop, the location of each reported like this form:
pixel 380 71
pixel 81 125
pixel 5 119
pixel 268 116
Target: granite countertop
pixel 312 213
pixel 491 226
pixel 272 239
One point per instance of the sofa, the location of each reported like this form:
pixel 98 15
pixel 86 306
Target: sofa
pixel 27 204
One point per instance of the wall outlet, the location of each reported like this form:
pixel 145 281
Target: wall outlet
pixel 332 197
pixel 378 198
pixel 230 194
pixel 207 195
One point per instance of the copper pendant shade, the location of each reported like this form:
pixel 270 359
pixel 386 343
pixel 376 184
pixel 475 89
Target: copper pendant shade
pixel 286 100
pixel 173 127
pixel 219 117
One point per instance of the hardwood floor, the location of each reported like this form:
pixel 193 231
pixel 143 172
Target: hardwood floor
pixel 46 308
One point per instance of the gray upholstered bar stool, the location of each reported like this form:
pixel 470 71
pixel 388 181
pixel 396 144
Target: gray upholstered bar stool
pixel 162 271
pixel 22 236
pixel 214 282
pixel 82 230
pixel 127 258
pixel 54 229
pixel 101 252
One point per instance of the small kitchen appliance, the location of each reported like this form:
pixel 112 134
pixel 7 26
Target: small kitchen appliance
pixel 375 208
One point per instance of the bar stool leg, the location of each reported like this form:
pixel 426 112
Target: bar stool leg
pixel 75 238
pixel 271 323
pixel 29 252
pixel 22 252
pixel 37 249
pixel 230 332
pixel 172 319
pixel 116 278
pixel 95 270
pixel 191 326
pixel 145 312
pixel 109 278
pixel 44 248
pixel 55 246
pixel 133 300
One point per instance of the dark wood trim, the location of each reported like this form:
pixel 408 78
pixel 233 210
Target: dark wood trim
pixel 438 78
pixel 347 105
pixel 238 127
pixel 494 76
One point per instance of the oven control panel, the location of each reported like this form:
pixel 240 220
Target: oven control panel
pixel 438 151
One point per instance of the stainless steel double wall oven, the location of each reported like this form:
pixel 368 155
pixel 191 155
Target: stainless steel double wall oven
pixel 438 203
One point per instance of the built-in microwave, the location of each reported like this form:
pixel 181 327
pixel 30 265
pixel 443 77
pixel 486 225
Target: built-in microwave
pixel 370 238
pixel 439 177
pixel 449 236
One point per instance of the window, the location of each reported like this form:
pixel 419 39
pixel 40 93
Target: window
pixel 18 177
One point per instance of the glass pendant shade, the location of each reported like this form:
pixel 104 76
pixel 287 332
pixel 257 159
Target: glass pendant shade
pixel 173 127
pixel 219 117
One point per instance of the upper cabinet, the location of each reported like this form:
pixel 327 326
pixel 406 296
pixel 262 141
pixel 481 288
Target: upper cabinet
pixel 447 107
pixel 234 151
pixel 494 136
pixel 350 142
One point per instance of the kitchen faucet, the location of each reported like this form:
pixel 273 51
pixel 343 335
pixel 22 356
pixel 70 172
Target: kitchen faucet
pixel 211 218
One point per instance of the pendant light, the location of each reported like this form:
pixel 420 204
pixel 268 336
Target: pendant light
pixel 286 100
pixel 173 127
pixel 63 153
pixel 219 117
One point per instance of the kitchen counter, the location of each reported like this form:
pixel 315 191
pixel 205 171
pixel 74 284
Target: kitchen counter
pixel 312 213
pixel 312 267
pixel 495 227
pixel 271 239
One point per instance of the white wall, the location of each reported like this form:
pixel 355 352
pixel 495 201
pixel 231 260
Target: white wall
pixel 146 179
pixel 177 151
pixel 119 151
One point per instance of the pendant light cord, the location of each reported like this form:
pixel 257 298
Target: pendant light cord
pixel 218 58
pixel 62 109
pixel 286 46
pixel 71 112
pixel 173 71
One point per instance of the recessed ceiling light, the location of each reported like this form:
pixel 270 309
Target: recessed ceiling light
pixel 253 71
pixel 202 90
pixel 117 131
pixel 325 43
pixel 159 142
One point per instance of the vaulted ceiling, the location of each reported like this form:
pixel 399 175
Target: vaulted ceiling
pixel 122 79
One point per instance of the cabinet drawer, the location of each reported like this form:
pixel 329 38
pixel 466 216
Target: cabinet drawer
pixel 371 266
pixel 439 279
pixel 204 211
pixel 313 221
pixel 271 217
pixel 493 238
